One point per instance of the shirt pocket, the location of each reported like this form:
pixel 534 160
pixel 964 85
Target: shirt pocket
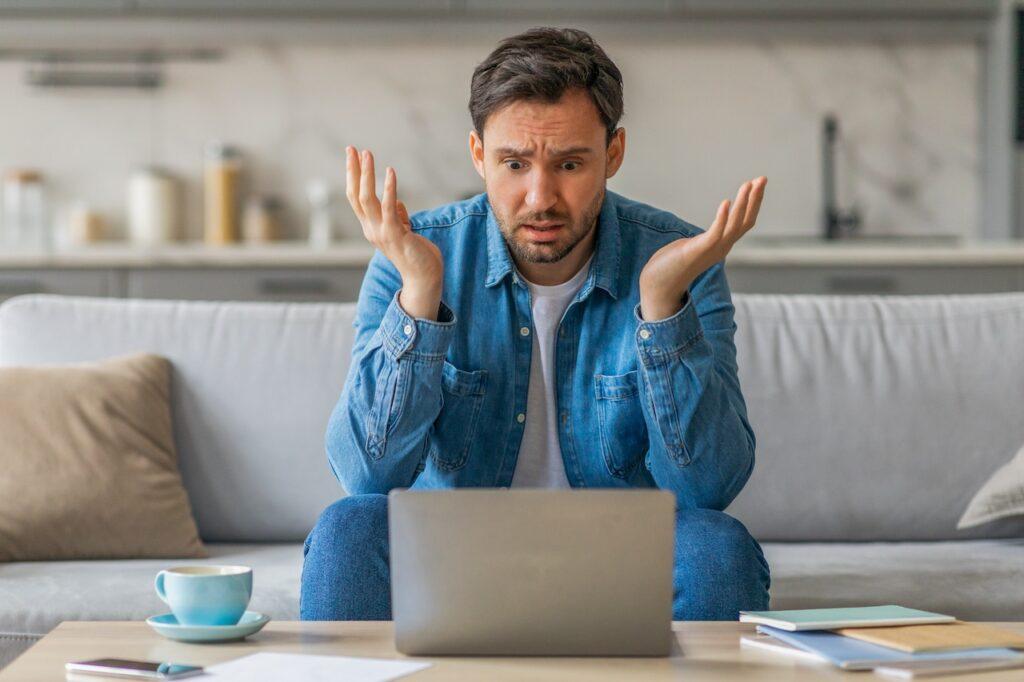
pixel 620 422
pixel 454 432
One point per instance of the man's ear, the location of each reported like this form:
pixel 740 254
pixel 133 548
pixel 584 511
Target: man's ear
pixel 615 152
pixel 476 153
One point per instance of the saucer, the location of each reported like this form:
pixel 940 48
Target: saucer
pixel 167 625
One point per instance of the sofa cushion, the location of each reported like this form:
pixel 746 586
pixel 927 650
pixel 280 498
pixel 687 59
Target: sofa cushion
pixel 974 580
pixel 253 385
pixel 88 462
pixel 969 579
pixel 878 418
pixel 37 595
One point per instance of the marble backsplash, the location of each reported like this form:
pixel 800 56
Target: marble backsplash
pixel 701 117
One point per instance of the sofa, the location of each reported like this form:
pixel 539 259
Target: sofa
pixel 877 419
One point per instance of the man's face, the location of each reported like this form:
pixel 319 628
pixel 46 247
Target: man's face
pixel 545 167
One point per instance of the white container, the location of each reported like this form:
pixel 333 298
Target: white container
pixel 25 216
pixel 154 207
pixel 321 227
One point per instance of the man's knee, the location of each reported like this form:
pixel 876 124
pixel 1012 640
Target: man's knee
pixel 344 573
pixel 716 551
pixel 352 521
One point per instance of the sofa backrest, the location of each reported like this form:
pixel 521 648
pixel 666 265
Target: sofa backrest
pixel 252 387
pixel 877 418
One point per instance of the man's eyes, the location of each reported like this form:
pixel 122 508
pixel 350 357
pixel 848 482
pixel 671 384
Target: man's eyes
pixel 515 165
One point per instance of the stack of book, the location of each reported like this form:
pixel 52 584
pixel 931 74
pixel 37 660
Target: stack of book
pixel 891 640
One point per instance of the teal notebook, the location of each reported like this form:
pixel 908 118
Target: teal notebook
pixel 850 617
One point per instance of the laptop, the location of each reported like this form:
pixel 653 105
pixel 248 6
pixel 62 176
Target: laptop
pixel 532 572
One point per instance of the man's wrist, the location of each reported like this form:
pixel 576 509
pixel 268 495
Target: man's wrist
pixel 419 304
pixel 655 307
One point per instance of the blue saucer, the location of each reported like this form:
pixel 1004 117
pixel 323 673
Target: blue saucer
pixel 167 625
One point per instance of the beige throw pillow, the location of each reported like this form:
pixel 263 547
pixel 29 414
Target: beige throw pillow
pixel 1002 495
pixel 88 464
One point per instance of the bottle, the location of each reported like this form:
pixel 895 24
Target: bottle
pixel 154 207
pixel 222 191
pixel 25 226
pixel 321 231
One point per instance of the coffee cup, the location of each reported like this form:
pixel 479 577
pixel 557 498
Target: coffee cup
pixel 206 595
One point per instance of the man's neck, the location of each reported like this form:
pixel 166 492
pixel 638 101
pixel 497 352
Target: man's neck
pixel 550 274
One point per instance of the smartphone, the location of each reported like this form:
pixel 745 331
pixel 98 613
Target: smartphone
pixel 138 670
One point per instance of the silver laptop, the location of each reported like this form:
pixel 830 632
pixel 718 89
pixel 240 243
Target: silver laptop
pixel 532 572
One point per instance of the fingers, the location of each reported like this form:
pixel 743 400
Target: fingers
pixel 718 227
pixel 756 195
pixel 352 180
pixel 368 190
pixel 389 209
pixel 734 226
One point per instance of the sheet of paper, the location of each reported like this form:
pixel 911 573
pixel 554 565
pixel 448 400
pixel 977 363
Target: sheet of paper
pixel 273 667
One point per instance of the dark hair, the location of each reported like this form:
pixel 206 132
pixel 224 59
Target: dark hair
pixel 541 64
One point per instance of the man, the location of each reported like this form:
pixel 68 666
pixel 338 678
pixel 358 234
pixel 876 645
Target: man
pixel 547 333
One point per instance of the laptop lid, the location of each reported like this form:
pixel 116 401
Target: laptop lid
pixel 532 571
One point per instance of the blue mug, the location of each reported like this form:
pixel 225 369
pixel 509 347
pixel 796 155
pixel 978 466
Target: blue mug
pixel 206 595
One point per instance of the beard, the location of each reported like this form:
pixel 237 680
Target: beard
pixel 571 233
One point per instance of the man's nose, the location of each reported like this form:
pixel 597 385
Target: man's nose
pixel 542 193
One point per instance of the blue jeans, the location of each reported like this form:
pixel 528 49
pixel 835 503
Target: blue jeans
pixel 719 568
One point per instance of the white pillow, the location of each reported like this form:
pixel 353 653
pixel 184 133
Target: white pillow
pixel 1002 495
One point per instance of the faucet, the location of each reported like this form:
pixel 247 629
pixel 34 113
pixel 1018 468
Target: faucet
pixel 836 223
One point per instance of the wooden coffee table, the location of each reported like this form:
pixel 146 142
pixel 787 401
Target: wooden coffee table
pixel 706 651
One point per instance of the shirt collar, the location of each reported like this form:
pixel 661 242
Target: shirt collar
pixel 604 270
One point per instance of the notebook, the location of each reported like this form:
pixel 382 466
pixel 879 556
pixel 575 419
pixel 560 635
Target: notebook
pixel 854 654
pixel 765 642
pixel 925 668
pixel 943 637
pixel 851 617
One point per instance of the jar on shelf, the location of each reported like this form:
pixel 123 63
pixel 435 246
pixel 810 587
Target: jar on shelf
pixel 154 207
pixel 262 221
pixel 85 226
pixel 25 216
pixel 222 192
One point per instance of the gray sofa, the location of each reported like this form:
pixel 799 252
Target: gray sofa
pixel 876 420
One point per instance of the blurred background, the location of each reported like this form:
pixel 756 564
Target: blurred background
pixel 193 149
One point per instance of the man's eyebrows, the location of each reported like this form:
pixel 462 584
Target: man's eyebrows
pixel 516 151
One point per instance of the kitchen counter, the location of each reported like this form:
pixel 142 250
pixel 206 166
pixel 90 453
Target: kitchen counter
pixel 852 253
pixel 298 254
pixel 357 253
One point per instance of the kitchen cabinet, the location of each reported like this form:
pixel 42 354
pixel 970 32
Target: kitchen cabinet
pixel 875 280
pixel 952 10
pixel 328 285
pixel 69 282
pixel 290 7
pixel 64 6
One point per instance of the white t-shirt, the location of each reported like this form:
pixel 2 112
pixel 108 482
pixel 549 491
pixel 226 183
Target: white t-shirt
pixel 540 456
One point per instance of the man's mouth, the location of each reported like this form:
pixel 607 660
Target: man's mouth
pixel 542 232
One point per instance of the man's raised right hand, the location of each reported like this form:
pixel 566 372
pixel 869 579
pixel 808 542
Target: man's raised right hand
pixel 386 225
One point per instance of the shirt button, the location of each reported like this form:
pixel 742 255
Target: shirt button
pixel 524 331
pixel 407 329
pixel 520 417
pixel 644 334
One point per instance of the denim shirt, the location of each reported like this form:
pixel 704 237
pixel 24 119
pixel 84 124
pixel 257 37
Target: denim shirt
pixel 441 404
